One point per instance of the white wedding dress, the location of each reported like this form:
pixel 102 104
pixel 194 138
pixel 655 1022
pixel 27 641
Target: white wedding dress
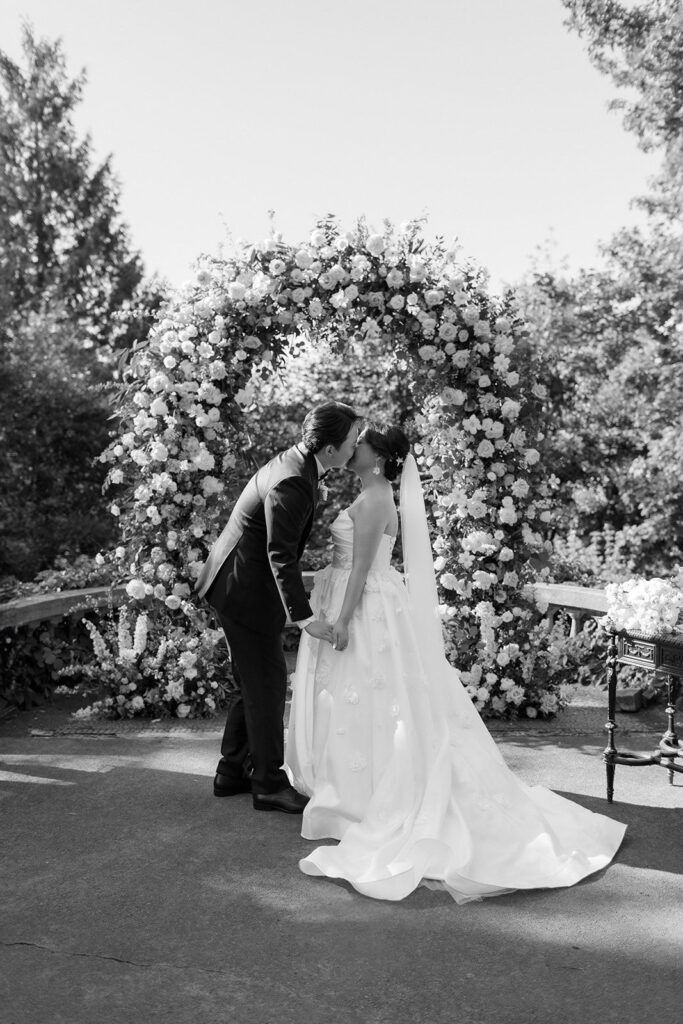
pixel 399 766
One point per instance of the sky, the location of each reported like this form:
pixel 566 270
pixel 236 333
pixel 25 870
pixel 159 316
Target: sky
pixel 483 115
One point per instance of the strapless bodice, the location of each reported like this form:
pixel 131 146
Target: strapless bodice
pixel 342 537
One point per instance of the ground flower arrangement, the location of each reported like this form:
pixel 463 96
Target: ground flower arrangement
pixel 174 467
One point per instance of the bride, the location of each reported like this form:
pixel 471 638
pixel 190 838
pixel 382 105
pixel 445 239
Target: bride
pixel 386 742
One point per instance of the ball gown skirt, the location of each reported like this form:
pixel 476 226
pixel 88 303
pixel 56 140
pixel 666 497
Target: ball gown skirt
pixel 413 786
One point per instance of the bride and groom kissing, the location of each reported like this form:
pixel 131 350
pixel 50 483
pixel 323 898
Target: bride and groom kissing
pixel 385 752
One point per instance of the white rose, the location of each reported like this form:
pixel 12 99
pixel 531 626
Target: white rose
pixel 136 589
pixel 303 259
pixel 531 456
pixel 510 409
pixel 447 332
pixel 317 238
pixel 236 291
pixel 375 245
pixel 397 302
pixel 395 278
pixel 158 407
pixel 449 581
pixel 172 602
pixel 183 710
pixel 159 452
pixel 485 450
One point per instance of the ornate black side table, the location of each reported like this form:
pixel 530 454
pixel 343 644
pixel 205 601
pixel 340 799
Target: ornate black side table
pixel 663 653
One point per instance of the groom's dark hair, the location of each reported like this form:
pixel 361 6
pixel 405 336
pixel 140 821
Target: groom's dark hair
pixel 328 423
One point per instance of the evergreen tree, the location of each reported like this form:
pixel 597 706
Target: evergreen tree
pixel 62 242
pixel 71 295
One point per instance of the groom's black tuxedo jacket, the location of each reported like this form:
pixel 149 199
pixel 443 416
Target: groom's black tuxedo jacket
pixel 260 548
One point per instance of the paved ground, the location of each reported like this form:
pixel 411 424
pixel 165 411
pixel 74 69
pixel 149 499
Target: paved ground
pixel 130 894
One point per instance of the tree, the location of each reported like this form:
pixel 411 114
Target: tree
pixel 641 49
pixel 62 242
pixel 612 339
pixel 52 430
pixel 71 294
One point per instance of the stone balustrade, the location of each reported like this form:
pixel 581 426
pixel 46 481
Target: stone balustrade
pixel 578 602
pixel 34 608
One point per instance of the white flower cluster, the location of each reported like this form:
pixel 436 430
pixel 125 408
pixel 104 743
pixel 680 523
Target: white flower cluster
pixel 650 606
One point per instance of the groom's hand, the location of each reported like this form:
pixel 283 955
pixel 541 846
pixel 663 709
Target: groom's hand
pixel 320 630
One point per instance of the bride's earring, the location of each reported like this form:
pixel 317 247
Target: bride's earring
pixel 376 470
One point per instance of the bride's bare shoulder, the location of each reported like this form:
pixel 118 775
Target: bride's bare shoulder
pixel 373 503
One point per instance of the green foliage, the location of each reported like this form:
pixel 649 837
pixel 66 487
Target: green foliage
pixel 52 429
pixel 594 564
pixel 70 295
pixel 611 342
pixel 77 574
pixel 33 658
pixel 641 48
pixel 62 242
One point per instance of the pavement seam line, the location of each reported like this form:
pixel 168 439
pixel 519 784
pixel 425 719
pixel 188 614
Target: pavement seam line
pixel 116 959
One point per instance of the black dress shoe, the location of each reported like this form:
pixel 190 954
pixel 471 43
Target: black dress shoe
pixel 286 800
pixel 223 786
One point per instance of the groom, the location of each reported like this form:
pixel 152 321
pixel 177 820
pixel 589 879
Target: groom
pixel 253 582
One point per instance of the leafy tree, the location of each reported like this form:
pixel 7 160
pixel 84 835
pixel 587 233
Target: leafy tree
pixel 612 339
pixel 62 242
pixel 71 294
pixel 52 428
pixel 641 49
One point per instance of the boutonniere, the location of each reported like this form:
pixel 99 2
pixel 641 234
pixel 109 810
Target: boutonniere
pixel 322 491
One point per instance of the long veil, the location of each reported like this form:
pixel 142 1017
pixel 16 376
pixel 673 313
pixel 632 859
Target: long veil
pixel 418 559
pixel 420 580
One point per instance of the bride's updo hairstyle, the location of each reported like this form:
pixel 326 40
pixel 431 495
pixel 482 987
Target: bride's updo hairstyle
pixel 391 445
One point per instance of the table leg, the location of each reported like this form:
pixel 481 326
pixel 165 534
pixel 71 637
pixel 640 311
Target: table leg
pixel 670 737
pixel 610 751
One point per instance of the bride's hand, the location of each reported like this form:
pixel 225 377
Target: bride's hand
pixel 340 635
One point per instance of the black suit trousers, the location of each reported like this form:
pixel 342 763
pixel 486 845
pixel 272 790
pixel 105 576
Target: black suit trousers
pixel 254 731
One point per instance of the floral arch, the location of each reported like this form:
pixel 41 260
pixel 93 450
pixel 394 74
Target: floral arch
pixel 174 461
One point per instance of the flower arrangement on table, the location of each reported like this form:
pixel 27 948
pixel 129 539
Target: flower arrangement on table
pixel 649 606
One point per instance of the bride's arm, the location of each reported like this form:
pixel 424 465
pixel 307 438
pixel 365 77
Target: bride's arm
pixel 368 526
